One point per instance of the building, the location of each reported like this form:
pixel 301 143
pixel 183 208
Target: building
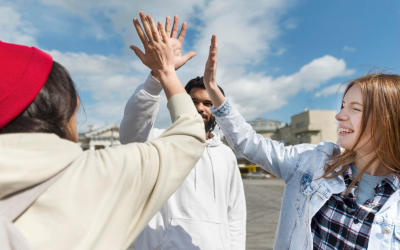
pixel 99 138
pixel 311 126
pixel 267 128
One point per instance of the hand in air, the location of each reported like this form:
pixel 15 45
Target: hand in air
pixel 158 55
pixel 210 75
pixel 176 43
pixel 210 72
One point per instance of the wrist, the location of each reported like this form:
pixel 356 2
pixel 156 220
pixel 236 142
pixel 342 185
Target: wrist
pixel 155 75
pixel 165 72
pixel 212 85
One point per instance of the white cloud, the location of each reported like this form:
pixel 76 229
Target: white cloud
pixel 107 78
pixel 246 33
pixel 338 88
pixel 349 49
pixel 14 30
pixel 280 52
pixel 290 24
pixel 253 93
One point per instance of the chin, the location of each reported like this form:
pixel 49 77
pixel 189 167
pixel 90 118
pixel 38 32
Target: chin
pixel 343 144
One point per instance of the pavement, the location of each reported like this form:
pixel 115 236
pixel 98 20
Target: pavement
pixel 263 198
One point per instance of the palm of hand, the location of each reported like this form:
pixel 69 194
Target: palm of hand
pixel 179 60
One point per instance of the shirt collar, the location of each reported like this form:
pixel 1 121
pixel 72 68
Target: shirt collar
pixel 392 180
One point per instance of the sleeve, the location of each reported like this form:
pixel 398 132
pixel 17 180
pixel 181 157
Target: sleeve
pixel 140 113
pixel 269 154
pixel 164 162
pixel 237 214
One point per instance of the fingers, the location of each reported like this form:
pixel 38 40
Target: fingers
pixel 189 56
pixel 138 52
pixel 175 27
pixel 163 33
pixel 168 26
pixel 214 44
pixel 154 30
pixel 140 32
pixel 146 26
pixel 183 32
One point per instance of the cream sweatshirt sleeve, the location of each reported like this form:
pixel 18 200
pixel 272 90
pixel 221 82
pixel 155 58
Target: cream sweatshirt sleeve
pixel 176 152
pixel 106 197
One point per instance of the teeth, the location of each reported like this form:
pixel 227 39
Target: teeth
pixel 345 130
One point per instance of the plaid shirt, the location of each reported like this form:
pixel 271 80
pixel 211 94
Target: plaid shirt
pixel 342 224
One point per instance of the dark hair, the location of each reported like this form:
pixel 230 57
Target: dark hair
pixel 52 108
pixel 198 83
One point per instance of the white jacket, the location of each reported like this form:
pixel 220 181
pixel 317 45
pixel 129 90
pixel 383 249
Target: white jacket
pixel 208 211
pixel 105 198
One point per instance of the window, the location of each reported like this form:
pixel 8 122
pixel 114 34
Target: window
pixel 300 125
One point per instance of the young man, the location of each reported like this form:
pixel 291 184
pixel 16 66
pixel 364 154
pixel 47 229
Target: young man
pixel 208 211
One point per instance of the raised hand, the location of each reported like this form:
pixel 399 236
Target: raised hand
pixel 176 43
pixel 210 74
pixel 158 55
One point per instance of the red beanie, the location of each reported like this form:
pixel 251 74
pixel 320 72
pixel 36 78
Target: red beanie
pixel 23 72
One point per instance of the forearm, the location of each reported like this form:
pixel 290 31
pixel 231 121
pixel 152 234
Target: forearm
pixel 140 112
pixel 170 83
pixel 215 93
pixel 269 154
pixel 154 170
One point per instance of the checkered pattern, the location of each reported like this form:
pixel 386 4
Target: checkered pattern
pixel 342 224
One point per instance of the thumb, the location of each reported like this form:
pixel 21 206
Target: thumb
pixel 138 53
pixel 189 56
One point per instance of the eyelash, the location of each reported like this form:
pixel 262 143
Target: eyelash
pixel 353 109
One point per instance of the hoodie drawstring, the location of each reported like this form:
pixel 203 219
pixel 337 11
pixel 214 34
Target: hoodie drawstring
pixel 212 167
pixel 195 178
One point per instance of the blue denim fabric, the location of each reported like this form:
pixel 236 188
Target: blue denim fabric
pixel 300 166
pixel 222 110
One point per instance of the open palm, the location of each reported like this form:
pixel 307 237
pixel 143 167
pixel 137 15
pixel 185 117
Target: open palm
pixel 177 42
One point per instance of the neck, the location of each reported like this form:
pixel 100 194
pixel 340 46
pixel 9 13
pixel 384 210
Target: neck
pixel 376 169
pixel 208 135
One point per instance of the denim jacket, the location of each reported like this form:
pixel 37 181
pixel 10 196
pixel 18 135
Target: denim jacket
pixel 300 166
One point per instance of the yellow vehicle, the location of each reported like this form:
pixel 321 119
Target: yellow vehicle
pixel 245 169
pixel 253 171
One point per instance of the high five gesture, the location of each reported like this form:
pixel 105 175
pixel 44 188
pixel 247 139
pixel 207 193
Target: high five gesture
pixel 210 74
pixel 176 42
pixel 158 55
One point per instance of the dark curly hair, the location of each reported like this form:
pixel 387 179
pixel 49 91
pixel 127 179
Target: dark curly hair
pixel 198 83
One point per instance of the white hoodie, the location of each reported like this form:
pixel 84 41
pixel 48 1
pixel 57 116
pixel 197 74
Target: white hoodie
pixel 208 211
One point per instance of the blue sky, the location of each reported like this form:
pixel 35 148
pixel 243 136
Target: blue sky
pixel 277 57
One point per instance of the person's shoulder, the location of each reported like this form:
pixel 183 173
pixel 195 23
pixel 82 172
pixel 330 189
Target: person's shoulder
pixel 155 133
pixel 226 151
pixel 327 145
pixel 323 148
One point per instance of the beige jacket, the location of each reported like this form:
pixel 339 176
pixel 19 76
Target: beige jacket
pixel 106 197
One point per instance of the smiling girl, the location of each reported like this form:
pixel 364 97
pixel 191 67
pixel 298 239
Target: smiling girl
pixel 337 196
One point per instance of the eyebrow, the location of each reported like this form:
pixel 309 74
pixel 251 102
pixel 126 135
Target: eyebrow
pixel 353 103
pixel 195 99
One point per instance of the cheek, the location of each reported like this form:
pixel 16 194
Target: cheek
pixel 356 121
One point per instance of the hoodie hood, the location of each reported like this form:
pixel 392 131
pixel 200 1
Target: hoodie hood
pixel 27 159
pixel 215 141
